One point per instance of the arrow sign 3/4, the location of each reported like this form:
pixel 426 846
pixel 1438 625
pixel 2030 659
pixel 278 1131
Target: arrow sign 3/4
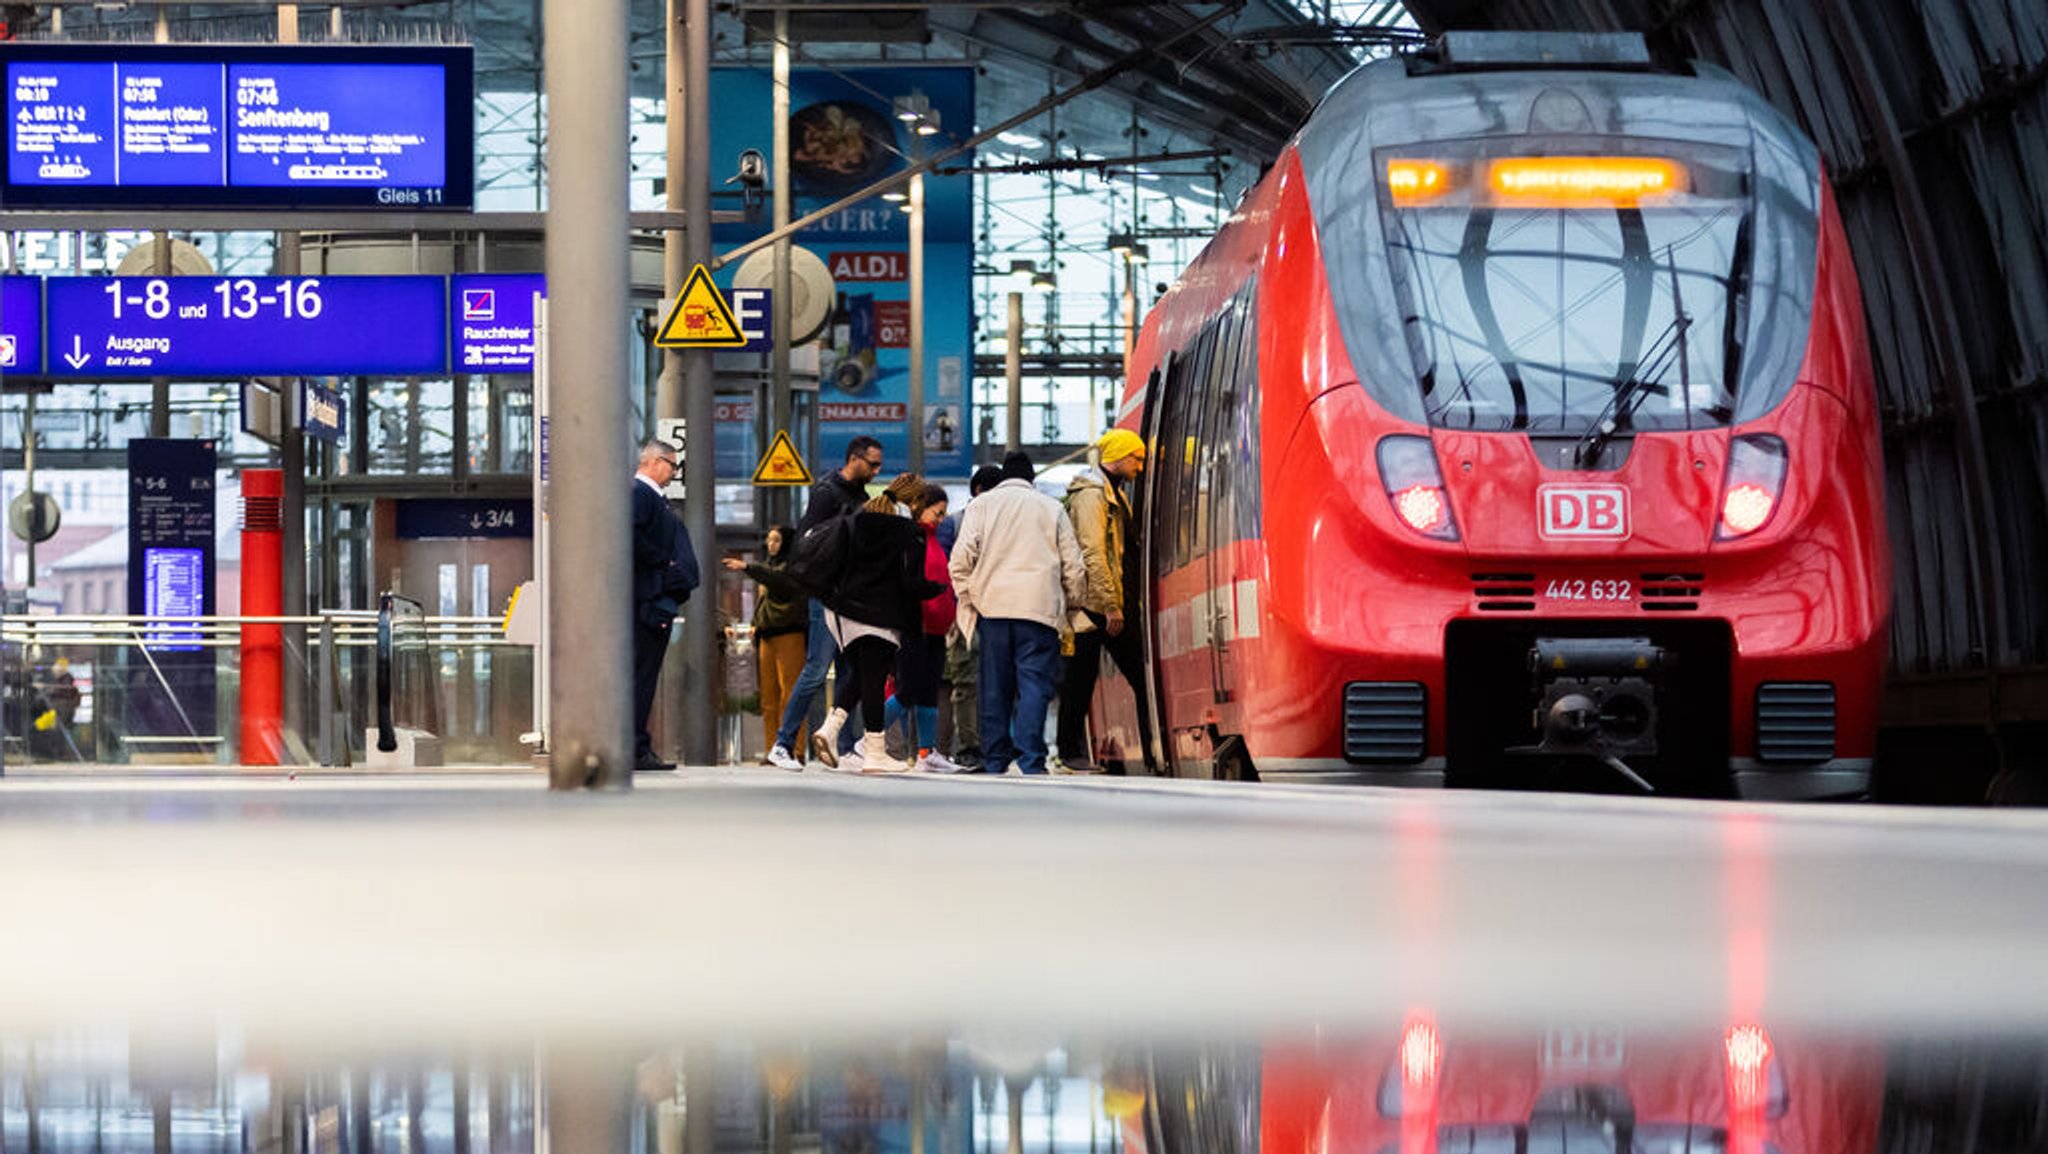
pixel 77 358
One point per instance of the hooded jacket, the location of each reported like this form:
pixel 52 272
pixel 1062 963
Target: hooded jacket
pixel 1102 526
pixel 1016 558
pixel 884 584
pixel 783 607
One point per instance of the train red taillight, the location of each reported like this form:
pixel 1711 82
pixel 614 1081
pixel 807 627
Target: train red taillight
pixel 1755 480
pixel 1415 487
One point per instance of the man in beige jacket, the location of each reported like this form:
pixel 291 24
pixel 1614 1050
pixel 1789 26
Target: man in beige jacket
pixel 1102 523
pixel 1016 570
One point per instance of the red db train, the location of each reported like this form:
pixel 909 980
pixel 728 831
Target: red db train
pixel 1734 1091
pixel 1518 429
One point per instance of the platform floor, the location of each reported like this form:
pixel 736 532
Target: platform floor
pixel 479 904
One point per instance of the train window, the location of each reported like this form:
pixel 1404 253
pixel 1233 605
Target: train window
pixel 1235 435
pixel 1566 283
pixel 1166 459
pixel 1223 354
pixel 1186 445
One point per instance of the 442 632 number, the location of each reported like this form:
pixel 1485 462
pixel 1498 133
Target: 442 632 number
pixel 1579 589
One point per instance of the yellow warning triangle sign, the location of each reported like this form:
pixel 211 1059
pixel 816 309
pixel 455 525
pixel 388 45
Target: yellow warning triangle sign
pixel 700 318
pixel 781 465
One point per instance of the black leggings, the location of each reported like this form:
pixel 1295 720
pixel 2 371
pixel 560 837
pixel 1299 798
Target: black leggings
pixel 873 659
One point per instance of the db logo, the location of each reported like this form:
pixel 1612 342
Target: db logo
pixel 1582 510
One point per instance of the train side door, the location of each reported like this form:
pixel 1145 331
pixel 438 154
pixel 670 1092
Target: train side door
pixel 1144 522
pixel 1169 533
pixel 1215 527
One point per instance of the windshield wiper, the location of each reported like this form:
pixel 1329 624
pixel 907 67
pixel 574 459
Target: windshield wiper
pixel 1628 396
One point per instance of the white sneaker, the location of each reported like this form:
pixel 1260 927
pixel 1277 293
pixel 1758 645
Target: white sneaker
pixel 780 758
pixel 874 756
pixel 936 762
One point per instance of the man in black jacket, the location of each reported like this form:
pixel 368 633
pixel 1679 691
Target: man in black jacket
pixel 833 495
pixel 664 573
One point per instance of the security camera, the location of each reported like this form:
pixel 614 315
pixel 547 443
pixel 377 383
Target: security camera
pixel 753 168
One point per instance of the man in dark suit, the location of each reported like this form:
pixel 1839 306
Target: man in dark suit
pixel 664 573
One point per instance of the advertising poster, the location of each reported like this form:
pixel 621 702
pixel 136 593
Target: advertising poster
pixel 844 135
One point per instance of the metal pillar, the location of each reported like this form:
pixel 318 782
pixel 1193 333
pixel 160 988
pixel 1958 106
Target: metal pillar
pixel 292 459
pixel 700 621
pixel 588 1094
pixel 587 246
pixel 1016 1084
pixel 159 387
pixel 28 479
pixel 675 269
pixel 917 320
pixel 1013 376
pixel 780 403
pixel 668 394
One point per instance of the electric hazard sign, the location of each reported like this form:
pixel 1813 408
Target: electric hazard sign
pixel 700 318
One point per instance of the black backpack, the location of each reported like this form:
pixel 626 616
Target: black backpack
pixel 818 558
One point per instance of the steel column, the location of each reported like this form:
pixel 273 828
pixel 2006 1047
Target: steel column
pixel 1013 376
pixel 917 322
pixel 587 247
pixel 780 403
pixel 700 622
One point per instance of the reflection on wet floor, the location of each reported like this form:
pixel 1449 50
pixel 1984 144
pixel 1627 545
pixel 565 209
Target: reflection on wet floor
pixel 1419 1089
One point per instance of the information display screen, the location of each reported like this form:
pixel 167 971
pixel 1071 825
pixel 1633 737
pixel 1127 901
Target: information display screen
pixel 246 326
pixel 174 585
pixel 276 126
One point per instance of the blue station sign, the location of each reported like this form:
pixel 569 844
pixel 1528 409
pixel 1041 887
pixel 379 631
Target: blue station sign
pixel 492 318
pixel 113 327
pixel 21 325
pixel 432 518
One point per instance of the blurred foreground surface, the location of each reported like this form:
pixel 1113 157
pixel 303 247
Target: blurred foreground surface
pixel 840 964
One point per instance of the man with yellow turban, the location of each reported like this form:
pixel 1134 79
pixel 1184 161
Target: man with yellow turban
pixel 1102 523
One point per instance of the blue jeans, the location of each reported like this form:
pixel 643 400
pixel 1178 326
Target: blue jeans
pixel 819 650
pixel 1020 666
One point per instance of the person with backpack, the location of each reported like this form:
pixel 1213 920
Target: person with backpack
pixel 876 609
pixel 833 501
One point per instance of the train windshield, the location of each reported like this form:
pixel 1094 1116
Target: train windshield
pixel 1558 286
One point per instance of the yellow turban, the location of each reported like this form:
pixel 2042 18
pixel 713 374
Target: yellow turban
pixel 1117 444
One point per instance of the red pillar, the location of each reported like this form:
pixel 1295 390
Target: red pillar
pixel 262 596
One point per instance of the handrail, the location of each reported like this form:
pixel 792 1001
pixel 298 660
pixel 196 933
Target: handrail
pixel 350 628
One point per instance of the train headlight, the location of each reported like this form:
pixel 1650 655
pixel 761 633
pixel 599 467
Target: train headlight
pixel 1422 507
pixel 1415 486
pixel 1755 480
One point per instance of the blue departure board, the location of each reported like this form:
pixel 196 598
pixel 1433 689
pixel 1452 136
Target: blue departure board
pixel 193 326
pixel 229 126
